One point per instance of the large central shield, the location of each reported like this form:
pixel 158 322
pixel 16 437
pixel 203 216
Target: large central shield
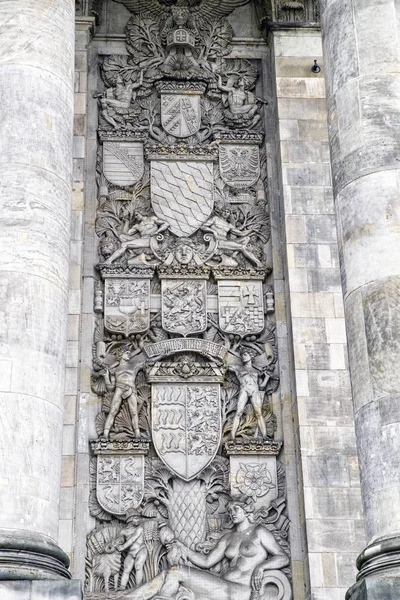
pixel 186 425
pixel 180 114
pixel 182 194
pixel 120 482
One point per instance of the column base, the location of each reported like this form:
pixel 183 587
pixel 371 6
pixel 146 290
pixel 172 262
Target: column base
pixel 26 555
pixel 41 590
pixel 375 588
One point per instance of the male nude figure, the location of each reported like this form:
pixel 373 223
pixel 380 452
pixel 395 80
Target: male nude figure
pixel 249 390
pixel 238 98
pixel 124 94
pixel 221 227
pixel 123 383
pixel 133 536
pixel 147 227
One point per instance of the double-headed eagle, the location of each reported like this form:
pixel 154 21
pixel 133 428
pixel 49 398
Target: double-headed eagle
pixel 215 9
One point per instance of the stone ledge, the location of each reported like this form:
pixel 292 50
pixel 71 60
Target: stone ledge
pixel 40 590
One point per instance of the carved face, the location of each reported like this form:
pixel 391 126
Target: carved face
pixel 184 255
pixel 246 358
pixel 236 513
pixel 134 521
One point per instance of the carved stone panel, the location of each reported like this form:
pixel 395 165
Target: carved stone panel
pixel 239 164
pixel 184 305
pixel 241 306
pixel 123 162
pixel 255 477
pixel 182 194
pixel 127 305
pixel 186 425
pixel 120 482
pixel 181 114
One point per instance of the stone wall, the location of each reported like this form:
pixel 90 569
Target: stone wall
pixel 325 427
pixel 72 379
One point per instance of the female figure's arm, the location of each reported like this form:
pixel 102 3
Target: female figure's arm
pixel 278 557
pixel 205 561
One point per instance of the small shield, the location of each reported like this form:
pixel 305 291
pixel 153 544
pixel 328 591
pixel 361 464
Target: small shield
pixel 241 306
pixel 186 425
pixel 239 164
pixel 120 482
pixel 127 305
pixel 184 305
pixel 123 162
pixel 182 194
pixel 181 114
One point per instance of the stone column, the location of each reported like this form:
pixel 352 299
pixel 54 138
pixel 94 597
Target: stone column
pixel 36 99
pixel 362 58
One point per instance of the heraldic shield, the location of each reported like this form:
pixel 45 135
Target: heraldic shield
pixel 241 306
pixel 123 162
pixel 182 194
pixel 239 164
pixel 184 305
pixel 127 305
pixel 186 425
pixel 181 114
pixel 120 482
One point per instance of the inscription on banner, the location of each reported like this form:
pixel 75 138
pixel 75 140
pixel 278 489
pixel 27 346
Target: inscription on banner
pixel 185 344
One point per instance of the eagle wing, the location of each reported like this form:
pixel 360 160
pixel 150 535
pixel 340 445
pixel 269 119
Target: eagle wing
pixel 217 10
pixel 153 7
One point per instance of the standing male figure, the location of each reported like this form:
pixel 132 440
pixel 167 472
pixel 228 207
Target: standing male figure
pixel 249 390
pixel 122 382
pixel 133 542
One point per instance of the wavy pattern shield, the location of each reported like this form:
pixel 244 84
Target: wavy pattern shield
pixel 182 194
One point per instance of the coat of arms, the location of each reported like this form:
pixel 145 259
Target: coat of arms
pixel 182 194
pixel 181 114
pixel 123 162
pixel 184 305
pixel 241 306
pixel 186 425
pixel 127 305
pixel 120 482
pixel 239 164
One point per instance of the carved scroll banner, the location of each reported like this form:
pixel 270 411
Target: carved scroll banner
pixel 182 194
pixel 181 114
pixel 120 482
pixel 184 305
pixel 123 162
pixel 239 164
pixel 186 426
pixel 241 306
pixel 127 305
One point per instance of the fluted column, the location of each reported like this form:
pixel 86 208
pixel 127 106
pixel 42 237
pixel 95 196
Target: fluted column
pixel 362 68
pixel 36 124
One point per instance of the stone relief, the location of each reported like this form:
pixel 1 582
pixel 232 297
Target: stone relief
pixel 292 11
pixel 186 487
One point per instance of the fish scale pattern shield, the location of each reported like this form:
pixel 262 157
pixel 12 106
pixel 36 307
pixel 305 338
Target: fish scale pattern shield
pixel 182 194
